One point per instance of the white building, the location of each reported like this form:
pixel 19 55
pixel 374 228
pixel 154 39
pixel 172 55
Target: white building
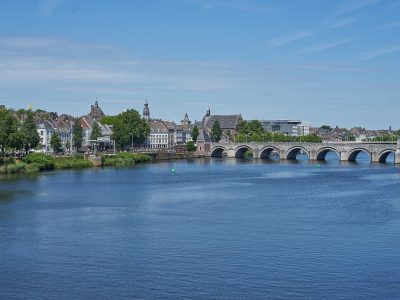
pixel 159 135
pixel 87 123
pixel 46 128
pixel 287 127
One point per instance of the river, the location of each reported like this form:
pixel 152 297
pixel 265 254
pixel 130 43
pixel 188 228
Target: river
pixel 213 229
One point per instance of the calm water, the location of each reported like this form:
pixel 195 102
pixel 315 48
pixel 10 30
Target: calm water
pixel 216 229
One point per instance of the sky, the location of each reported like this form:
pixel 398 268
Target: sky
pixel 333 62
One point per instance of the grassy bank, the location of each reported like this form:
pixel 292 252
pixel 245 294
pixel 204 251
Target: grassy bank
pixel 37 162
pixel 124 159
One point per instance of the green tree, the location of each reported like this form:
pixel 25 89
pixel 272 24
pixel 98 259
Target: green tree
pixel 128 126
pixel 109 120
pixel 77 134
pixel 190 147
pixel 55 142
pixel 96 131
pixel 350 137
pixel 8 126
pixel 326 127
pixel 32 138
pixel 251 127
pixel 216 132
pixel 311 138
pixel 195 133
pixel 67 145
pixel 17 140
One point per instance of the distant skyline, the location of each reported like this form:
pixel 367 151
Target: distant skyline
pixel 326 62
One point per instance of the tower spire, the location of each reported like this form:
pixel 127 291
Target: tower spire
pixel 146 110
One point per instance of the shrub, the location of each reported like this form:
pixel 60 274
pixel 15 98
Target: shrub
pixel 124 159
pixel 3 169
pixel 16 168
pixel 7 160
pixel 190 146
pixel 72 163
pixel 44 161
pixel 33 168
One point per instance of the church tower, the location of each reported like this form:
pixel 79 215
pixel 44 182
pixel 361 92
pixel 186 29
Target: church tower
pixel 186 122
pixel 146 111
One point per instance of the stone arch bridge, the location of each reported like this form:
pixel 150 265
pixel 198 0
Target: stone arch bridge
pixel 346 151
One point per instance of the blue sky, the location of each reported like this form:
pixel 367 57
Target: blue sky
pixel 334 62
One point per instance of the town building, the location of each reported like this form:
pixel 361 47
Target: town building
pixel 228 123
pixel 203 142
pixel 87 126
pixel 159 135
pixel 166 134
pixel 287 127
pixel 62 126
pixel 87 122
pixel 183 132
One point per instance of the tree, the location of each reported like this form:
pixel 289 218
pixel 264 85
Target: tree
pixel 326 127
pixel 32 138
pixel 195 133
pixel 190 147
pixel 251 127
pixel 8 125
pixel 96 131
pixel 55 142
pixel 77 134
pixel 68 145
pixel 128 126
pixel 311 138
pixel 216 132
pixel 17 140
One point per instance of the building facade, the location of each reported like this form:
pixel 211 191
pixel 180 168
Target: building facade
pixel 159 135
pixel 287 127
pixel 228 123
pixel 46 128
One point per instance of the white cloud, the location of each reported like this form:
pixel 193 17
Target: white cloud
pixel 61 63
pixel 389 25
pixel 325 46
pixel 327 24
pixel 334 22
pixel 378 52
pixel 354 5
pixel 289 38
pixel 242 5
pixel 47 7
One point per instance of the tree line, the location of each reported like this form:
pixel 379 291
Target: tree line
pixel 17 133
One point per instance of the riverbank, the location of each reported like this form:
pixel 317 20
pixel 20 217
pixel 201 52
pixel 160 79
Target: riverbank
pixel 38 162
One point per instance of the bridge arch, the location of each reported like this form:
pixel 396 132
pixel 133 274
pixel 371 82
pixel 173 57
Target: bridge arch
pixel 241 150
pixel 267 151
pixel 321 153
pixel 384 155
pixel 218 151
pixel 354 152
pixel 292 152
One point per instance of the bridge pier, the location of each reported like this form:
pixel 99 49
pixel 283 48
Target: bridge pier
pixel 312 154
pixel 344 156
pixel 397 157
pixel 230 153
pixel 375 156
pixel 282 154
